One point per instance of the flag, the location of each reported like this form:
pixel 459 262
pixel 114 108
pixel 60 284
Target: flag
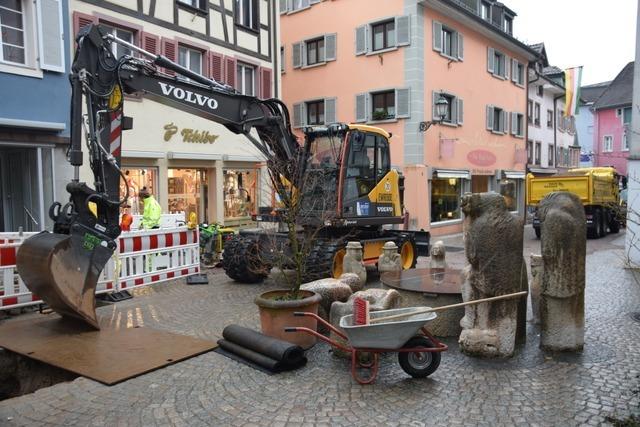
pixel 572 81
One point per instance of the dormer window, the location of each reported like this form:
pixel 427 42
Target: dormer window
pixel 508 25
pixel 485 11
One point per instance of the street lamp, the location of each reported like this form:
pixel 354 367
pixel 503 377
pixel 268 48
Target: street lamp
pixel 442 107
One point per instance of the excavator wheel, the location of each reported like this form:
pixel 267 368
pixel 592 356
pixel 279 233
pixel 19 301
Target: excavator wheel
pixel 324 260
pixel 241 260
pixel 408 252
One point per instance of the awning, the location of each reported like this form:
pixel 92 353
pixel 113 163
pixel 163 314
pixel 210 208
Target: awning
pixel 135 154
pixel 449 173
pixel 192 156
pixel 32 124
pixel 513 174
pixel 543 170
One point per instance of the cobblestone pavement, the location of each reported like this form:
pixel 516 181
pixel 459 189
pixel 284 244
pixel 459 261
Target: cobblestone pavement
pixel 532 388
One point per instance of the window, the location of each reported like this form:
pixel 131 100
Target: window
pixel 509 190
pixel 240 193
pixel 607 143
pixel 186 192
pixel 319 50
pixel 530 111
pixel 517 124
pixel 496 119
pixel 190 58
pixel 539 90
pixel 198 4
pixel 529 151
pixel 485 11
pixel 12 34
pixel 282 67
pixel 245 79
pixel 508 25
pixel 383 35
pixel 127 35
pixel 368 161
pixel 247 13
pixel 445 199
pixel 549 119
pixel 536 115
pixel 297 4
pixel 136 179
pixel 560 121
pixel 315 51
pixel 550 155
pixel 497 63
pixel 537 153
pixel 518 72
pixel 626 115
pixel 447 41
pixel 625 142
pixel 315 112
pixel 383 105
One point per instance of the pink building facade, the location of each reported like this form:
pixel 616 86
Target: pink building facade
pixel 386 63
pixel 612 119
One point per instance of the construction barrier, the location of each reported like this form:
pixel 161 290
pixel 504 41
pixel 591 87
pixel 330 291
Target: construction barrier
pixel 142 258
pixel 170 220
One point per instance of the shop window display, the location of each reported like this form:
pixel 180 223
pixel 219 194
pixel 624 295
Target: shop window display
pixel 187 189
pixel 136 179
pixel 239 193
pixel 445 199
pixel 509 190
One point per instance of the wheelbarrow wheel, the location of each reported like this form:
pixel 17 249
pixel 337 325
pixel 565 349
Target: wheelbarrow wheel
pixel 419 364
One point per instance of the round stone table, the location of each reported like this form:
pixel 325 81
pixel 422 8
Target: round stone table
pixel 432 287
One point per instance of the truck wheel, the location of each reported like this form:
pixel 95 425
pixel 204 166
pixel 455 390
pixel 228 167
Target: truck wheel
pixel 242 260
pixel 537 231
pixel 408 253
pixel 614 225
pixel 603 223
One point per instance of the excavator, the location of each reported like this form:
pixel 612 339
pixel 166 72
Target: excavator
pixel 361 194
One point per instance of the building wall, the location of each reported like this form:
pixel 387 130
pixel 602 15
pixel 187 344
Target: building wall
pixel 34 123
pixel 585 128
pixel 607 122
pixel 542 133
pixel 422 70
pixel 156 145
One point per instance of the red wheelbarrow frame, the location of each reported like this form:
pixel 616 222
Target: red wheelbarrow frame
pixel 355 362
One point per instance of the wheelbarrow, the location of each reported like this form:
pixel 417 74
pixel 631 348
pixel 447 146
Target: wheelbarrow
pixel 418 350
pixel 400 330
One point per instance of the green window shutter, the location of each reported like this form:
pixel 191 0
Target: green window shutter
pixel 437 36
pixel 403 103
pixel 361 40
pixel 361 107
pixel 490 112
pixel 490 57
pixel 297 115
pixel 297 55
pixel 330 43
pixel 460 46
pixel 330 111
pixel 460 111
pixel 403 30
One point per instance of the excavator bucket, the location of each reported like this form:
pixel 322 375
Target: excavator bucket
pixel 63 270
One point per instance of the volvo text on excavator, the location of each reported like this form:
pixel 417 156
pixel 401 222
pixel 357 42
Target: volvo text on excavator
pixel 361 193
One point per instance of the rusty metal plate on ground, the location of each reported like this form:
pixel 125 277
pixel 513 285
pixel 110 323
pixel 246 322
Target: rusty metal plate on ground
pixel 429 280
pixel 108 356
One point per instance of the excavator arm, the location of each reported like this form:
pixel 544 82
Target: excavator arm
pixel 63 267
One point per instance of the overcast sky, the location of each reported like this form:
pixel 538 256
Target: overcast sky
pixel 599 35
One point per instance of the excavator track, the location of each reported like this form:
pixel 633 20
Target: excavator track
pixel 241 260
pixel 63 270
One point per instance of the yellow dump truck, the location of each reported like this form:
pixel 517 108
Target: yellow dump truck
pixel 598 189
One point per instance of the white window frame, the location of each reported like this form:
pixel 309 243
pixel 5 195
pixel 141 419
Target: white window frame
pixel 370 35
pixel 253 20
pixel 625 141
pixel 188 57
pixel 607 148
pixel 31 67
pixel 25 47
pixel 241 83
pixel 305 51
pixel 520 123
pixel 537 153
pixel 115 46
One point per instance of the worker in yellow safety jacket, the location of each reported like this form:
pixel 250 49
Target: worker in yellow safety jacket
pixel 152 210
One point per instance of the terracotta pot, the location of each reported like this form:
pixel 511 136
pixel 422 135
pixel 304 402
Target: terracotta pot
pixel 275 315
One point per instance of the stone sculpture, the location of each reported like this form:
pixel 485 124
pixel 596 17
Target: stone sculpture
pixel 352 261
pixel 536 285
pixel 389 260
pixel 379 299
pixel 352 280
pixel 330 290
pixel 564 242
pixel 438 255
pixel 493 246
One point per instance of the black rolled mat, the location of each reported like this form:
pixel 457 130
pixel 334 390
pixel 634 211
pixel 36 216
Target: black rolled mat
pixel 269 353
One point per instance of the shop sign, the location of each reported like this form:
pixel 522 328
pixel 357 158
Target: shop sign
pixel 481 158
pixel 189 135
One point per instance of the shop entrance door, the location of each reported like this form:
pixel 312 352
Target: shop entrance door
pixel 188 192
pixel 20 190
pixel 479 183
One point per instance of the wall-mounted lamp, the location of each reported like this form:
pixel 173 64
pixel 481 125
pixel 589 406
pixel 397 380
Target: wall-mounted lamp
pixel 442 106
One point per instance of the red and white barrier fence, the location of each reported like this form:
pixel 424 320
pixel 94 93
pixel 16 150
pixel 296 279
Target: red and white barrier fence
pixel 142 258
